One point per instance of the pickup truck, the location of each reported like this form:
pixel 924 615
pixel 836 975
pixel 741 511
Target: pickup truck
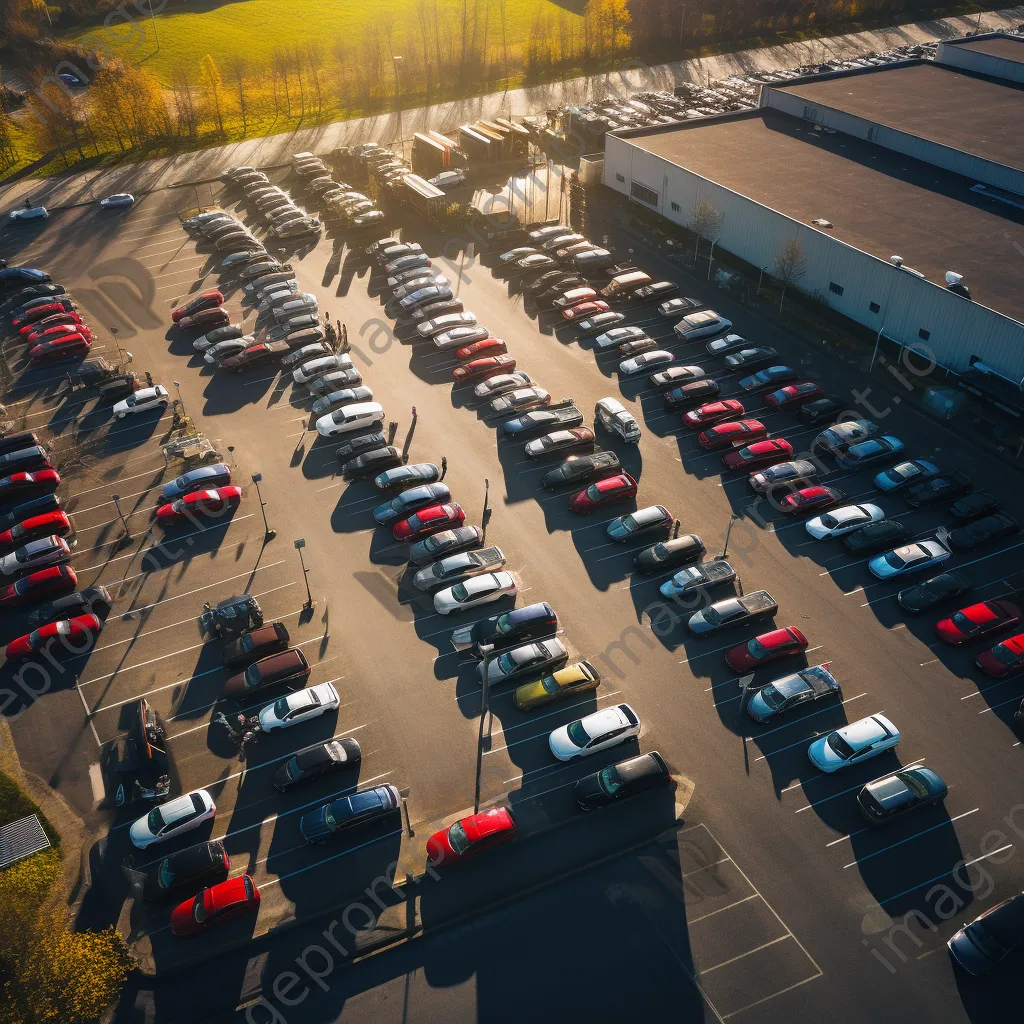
pixel 698 577
pixel 732 611
pixel 459 567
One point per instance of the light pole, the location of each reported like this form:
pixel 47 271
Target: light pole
pixel 299 545
pixel 268 533
pixel 395 61
pixel 181 404
pixel 728 531
pixel 483 651
pixel 116 499
pixel 120 357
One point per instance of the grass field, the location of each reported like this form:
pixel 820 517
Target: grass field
pixel 257 27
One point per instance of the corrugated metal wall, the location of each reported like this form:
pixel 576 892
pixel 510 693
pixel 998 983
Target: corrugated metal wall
pixel 974 167
pixel 957 329
pixel 984 63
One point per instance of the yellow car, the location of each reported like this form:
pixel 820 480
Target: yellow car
pixel 561 684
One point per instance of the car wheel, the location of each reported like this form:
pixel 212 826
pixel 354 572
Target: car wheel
pixel 121 415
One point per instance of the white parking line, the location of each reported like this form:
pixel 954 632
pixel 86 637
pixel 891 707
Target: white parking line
pixel 103 487
pixel 945 874
pixel 801 719
pixel 539 718
pixel 916 835
pixel 756 949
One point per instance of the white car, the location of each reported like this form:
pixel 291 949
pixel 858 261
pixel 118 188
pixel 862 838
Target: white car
pixel 842 521
pixel 182 814
pixel 228 347
pixel 922 554
pixel 502 383
pixel 701 325
pixel 28 213
pixel 317 367
pixel 117 200
pixel 300 706
pixel 853 743
pixel 598 731
pixel 676 307
pixel 445 323
pixel 513 255
pixel 619 336
pixel 417 284
pixel 142 400
pixel 730 343
pixel 460 336
pixel 448 179
pixel 475 591
pixel 645 361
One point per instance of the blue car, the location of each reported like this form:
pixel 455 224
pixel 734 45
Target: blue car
pixel 904 474
pixel 873 452
pixel 347 812
pixel 216 475
pixel 411 501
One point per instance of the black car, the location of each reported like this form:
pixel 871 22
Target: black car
pixel 880 536
pixel 582 467
pixel 620 781
pixel 824 410
pixel 667 554
pixel 656 291
pixel 533 622
pixel 96 600
pixel 358 445
pixel 27 509
pixel 693 394
pixel 24 461
pixel 16 442
pixel 94 371
pixel 750 358
pixel 973 506
pixel 905 790
pixel 36 291
pixel 319 759
pixel 255 644
pixel 185 873
pixel 944 487
pixel 546 281
pixel 983 531
pixel 922 597
pixel 569 281
pixel 371 463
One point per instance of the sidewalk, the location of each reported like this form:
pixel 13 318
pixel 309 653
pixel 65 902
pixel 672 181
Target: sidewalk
pixel 205 164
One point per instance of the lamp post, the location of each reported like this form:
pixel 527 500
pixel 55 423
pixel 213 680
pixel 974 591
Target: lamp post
pixel 299 545
pixel 483 652
pixel 728 531
pixel 116 499
pixel 395 61
pixel 268 533
pixel 114 333
pixel 181 404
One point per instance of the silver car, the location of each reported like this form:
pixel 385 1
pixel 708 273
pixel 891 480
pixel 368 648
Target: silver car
pixel 459 567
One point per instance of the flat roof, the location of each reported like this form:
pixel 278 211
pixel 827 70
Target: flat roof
pixel 1007 47
pixel 878 201
pixel 966 112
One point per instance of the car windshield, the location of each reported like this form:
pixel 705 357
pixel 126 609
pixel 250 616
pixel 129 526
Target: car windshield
pixel 593 493
pixel 165 876
pixel 829 522
pixel 577 733
pixel 986 942
pixel 610 780
pixel 549 685
pixel 506 663
pixel 329 819
pixel 894 560
pixel 756 649
pixel 460 592
pixel 659 552
pixel 772 697
pixel 280 707
pixel 964 624
pixel 292 769
pixel 154 821
pixel 840 746
pixel 252 676
pixel 457 838
pixel 130 400
pixel 1005 655
pixel 914 784
pixel 199 911
pixel 505 624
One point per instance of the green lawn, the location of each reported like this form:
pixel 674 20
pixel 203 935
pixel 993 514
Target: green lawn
pixel 257 27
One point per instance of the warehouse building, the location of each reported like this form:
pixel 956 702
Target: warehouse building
pixel 890 177
pixel 994 53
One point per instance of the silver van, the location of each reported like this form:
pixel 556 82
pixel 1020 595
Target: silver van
pixel 616 419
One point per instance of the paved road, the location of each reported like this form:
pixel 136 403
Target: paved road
pixel 384 128
pixel 816 894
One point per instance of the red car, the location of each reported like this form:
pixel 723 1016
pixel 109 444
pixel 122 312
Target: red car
pixel 429 520
pixel 56 581
pixel 760 453
pixel 219 903
pixel 77 633
pixel 37 313
pixel 978 621
pixel 486 366
pixel 49 321
pixel 28 485
pixel 469 836
pixel 1004 660
pixel 779 643
pixel 810 499
pixel 56 330
pixel 734 433
pixel 487 347
pixel 209 502
pixel 603 492
pixel 205 319
pixel 794 394
pixel 205 300
pixel 50 524
pixel 68 346
pixel 585 309
pixel 713 412
pixel 254 354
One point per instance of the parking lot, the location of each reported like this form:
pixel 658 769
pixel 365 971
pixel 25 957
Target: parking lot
pixel 822 891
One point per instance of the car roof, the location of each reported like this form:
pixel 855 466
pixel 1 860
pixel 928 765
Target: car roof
pixel 640 767
pixel 196 858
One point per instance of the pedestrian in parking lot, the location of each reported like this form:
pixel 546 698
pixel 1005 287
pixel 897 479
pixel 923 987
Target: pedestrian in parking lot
pixel 444 466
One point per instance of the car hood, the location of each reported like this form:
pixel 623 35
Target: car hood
pixel 823 755
pixel 140 834
pixel 182 921
pixel 967 955
pixel 561 746
pixel 314 825
pixel 757 706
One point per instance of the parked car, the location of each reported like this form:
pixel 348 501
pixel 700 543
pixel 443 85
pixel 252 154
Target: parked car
pixel 793 690
pixel 299 706
pixel 186 871
pixel 702 576
pixel 841 521
pixel 876 536
pixel 603 492
pixel 75 635
pixel 734 434
pixel 760 453
pixel 556 686
pixel 559 441
pixel 924 554
pixel 432 519
pixel 94 600
pixel 326 757
pixel 973 506
pixel 42 553
pixel 286 669
pixel 900 792
pixel 794 394
pixel 769 377
pixel 853 743
pixel 142 401
pixel 170 819
pixel 843 434
pixel 644 520
pixel 978 621
pixel 596 732
pixel 787 476
pixel 216 475
pixel 349 812
pixel 872 452
pixel 471 835
pixel 448 542
pixel 578 468
pixel 26 485
pixel 475 591
pixel 732 611
pixel 983 531
pixel 931 593
pixel 255 644
pixel 620 781
pixel 991 939
pixel 461 566
pixel 770 646
pixel 212 501
pixel 42 583
pixel 821 410
pixel 515 626
pixel 667 554
pixel 518 661
pixel 225 901
pixel 47 524
pixel 565 416
pixel 697 392
pixel 407 476
pixel 710 413
pixel 809 499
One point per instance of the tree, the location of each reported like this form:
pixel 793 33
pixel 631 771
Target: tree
pixel 184 101
pixel 210 76
pixel 237 69
pixel 315 57
pixel 790 265
pixel 705 221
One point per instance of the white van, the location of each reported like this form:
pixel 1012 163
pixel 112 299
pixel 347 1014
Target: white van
pixel 361 416
pixel 613 416
pixel 625 283
pixel 701 325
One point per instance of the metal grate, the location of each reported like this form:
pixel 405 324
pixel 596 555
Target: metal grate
pixel 21 839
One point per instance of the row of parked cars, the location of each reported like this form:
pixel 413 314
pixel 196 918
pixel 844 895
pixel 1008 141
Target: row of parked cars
pixel 44 316
pixel 339 200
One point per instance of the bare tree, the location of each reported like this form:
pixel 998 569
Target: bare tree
pixel 790 265
pixel 315 58
pixel 211 79
pixel 297 61
pixel 280 67
pixel 503 14
pixel 237 68
pixel 423 17
pixel 705 221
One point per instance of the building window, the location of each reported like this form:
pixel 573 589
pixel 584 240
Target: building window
pixel 810 113
pixel 923 334
pixel 836 289
pixel 675 208
pixel 620 177
pixel 875 307
pixel 643 193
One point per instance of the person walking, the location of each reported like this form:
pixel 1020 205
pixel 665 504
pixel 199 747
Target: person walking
pixel 444 466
